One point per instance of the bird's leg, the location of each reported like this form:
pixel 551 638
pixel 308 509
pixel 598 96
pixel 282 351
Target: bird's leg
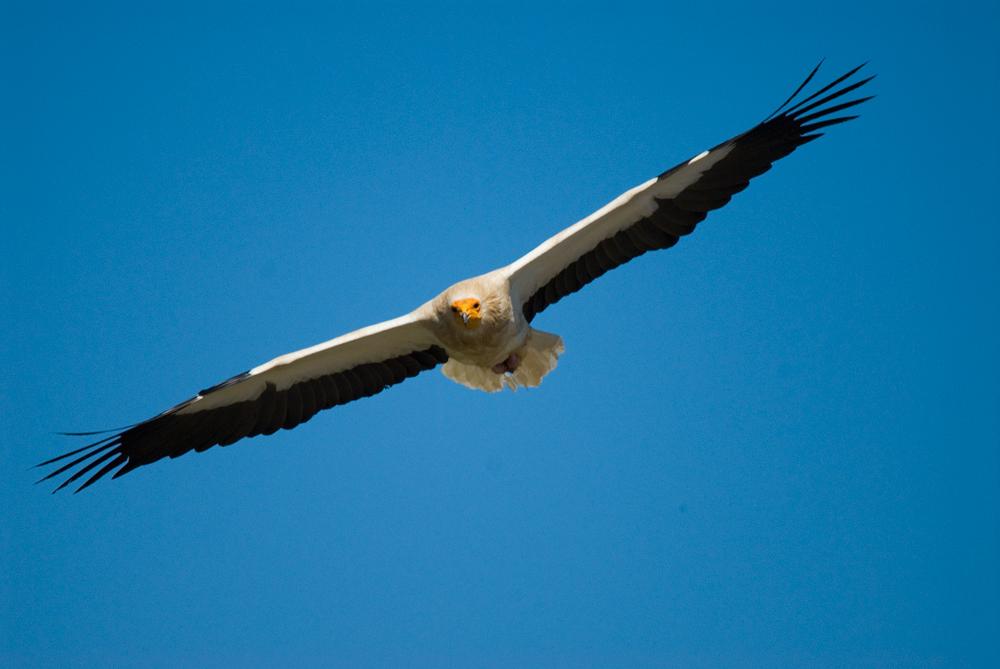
pixel 513 361
pixel 508 365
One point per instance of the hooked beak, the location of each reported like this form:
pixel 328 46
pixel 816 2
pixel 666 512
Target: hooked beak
pixel 468 311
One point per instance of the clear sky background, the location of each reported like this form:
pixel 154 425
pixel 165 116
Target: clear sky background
pixel 775 444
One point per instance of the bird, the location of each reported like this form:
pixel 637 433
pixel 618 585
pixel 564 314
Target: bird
pixel 478 331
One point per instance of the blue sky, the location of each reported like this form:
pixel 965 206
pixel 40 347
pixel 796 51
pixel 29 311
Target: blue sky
pixel 775 444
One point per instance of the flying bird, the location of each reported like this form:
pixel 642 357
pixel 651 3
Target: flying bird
pixel 479 331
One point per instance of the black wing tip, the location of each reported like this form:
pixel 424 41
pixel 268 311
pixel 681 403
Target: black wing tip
pixel 93 432
pixel 96 453
pixel 102 472
pixel 805 82
pixel 98 445
pixel 784 109
pixel 833 90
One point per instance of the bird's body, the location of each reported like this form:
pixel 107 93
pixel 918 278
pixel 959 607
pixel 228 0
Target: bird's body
pixel 502 349
pixel 480 330
pixel 502 328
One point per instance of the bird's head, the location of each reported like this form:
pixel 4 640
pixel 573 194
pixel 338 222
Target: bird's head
pixel 468 312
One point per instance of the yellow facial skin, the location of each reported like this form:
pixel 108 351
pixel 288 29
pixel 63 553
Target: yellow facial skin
pixel 467 311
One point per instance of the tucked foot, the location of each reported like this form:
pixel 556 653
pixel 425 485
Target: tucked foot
pixel 508 365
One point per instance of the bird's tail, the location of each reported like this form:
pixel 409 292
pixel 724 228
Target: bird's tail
pixel 539 356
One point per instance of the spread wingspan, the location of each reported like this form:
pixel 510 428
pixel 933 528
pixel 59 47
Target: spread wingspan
pixel 290 389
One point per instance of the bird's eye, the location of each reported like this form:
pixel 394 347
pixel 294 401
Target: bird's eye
pixel 476 305
pixel 454 309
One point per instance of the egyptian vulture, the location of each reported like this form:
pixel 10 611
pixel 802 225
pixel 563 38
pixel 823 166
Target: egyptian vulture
pixel 478 330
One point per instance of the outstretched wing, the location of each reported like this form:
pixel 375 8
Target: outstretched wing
pixel 657 213
pixel 279 394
